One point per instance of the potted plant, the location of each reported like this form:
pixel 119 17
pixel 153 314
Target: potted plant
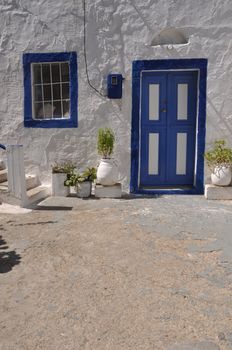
pixel 71 181
pixel 81 181
pixel 84 182
pixel 107 172
pixel 219 160
pixel 59 174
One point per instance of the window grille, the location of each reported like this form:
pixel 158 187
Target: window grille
pixel 50 90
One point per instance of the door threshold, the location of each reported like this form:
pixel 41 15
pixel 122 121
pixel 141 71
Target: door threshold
pixel 166 188
pixel 161 190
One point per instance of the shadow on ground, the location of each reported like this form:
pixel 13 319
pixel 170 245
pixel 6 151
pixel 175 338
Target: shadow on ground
pixel 46 207
pixel 8 259
pixel 33 223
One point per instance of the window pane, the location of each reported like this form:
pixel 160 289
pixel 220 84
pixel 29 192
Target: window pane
pixel 56 92
pixel 154 96
pixel 57 109
pixel 38 93
pixel 48 110
pixel 46 73
pixel 55 73
pixel 37 73
pixel 65 71
pixel 181 153
pixel 39 114
pixel 182 102
pixel 153 154
pixel 47 92
pixel 66 111
pixel 65 91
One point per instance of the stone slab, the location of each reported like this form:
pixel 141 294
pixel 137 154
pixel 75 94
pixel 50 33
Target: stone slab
pixel 114 191
pixel 218 192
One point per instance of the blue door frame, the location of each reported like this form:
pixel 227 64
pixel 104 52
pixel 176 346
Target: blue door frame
pixel 155 67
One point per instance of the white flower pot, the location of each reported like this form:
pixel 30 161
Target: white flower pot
pixel 221 176
pixel 58 188
pixel 107 172
pixel 84 189
pixel 72 190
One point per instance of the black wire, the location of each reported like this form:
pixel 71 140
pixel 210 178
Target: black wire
pixel 85 56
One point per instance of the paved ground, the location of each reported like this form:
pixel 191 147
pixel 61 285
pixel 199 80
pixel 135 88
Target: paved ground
pixel 146 273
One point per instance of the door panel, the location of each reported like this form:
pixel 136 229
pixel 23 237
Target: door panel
pixel 152 112
pixel 182 98
pixel 174 159
pixel 181 153
pixel 153 154
pixel 152 164
pixel 168 126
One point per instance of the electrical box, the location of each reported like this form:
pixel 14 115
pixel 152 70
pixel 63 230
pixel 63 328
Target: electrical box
pixel 114 86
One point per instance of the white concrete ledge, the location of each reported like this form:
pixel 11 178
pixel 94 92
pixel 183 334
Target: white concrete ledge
pixel 218 192
pixel 114 191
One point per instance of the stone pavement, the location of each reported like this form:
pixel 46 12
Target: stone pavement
pixel 118 274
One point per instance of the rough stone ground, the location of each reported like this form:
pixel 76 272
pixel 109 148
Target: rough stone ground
pixel 145 273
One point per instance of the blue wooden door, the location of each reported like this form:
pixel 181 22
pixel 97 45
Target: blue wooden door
pixel 168 128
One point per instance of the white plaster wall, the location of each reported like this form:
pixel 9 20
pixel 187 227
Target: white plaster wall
pixel 118 32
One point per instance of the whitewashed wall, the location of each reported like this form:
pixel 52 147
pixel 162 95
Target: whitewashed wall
pixel 118 32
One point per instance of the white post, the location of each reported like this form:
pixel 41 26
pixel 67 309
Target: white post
pixel 16 172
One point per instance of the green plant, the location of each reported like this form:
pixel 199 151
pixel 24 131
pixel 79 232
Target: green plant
pixel 90 174
pixel 219 156
pixel 105 143
pixel 74 178
pixel 71 179
pixel 63 168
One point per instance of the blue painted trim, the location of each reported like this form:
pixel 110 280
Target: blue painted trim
pixel 143 65
pixel 30 58
pixel 2 146
pixel 169 191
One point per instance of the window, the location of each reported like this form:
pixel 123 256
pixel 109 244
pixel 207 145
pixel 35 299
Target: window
pixel 50 90
pixel 50 93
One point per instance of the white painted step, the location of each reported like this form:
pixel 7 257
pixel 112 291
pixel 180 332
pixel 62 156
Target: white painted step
pixel 218 192
pixel 33 195
pixel 114 191
pixel 3 175
pixel 3 186
pixel 37 193
pixel 6 197
pixel 2 165
pixel 31 182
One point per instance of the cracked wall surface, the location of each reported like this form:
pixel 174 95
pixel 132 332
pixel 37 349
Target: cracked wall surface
pixel 118 32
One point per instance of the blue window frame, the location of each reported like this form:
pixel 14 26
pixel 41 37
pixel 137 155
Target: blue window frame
pixel 62 109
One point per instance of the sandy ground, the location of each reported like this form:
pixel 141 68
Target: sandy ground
pixel 117 274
